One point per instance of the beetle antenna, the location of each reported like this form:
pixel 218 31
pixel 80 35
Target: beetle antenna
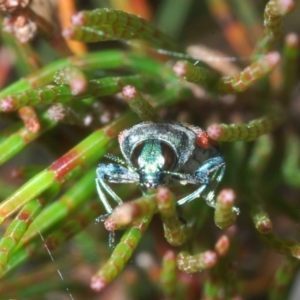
pixel 115 159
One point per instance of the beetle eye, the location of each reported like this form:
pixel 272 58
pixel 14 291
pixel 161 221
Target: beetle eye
pixel 169 156
pixel 136 154
pixel 160 149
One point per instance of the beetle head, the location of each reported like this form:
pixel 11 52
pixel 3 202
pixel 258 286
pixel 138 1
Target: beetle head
pixel 152 158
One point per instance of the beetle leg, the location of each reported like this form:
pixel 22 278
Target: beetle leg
pixel 103 198
pixel 216 179
pixel 112 173
pixel 208 175
pixel 192 196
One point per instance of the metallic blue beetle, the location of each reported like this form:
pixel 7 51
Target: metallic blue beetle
pixel 161 154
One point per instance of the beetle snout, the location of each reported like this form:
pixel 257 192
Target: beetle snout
pixel 150 181
pixel 151 185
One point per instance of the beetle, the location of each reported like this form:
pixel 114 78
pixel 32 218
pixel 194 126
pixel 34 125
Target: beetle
pixel 158 153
